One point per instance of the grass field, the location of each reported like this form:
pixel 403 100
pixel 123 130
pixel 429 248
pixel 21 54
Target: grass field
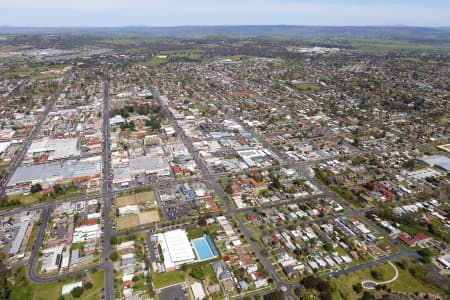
pixel 139 198
pixel 182 55
pixel 32 238
pixel 51 291
pixel 377 45
pixel 161 280
pixel 71 192
pixel 404 283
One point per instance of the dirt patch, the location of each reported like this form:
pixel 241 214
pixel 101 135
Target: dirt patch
pixel 148 217
pixel 143 197
pixel 125 222
pixel 139 198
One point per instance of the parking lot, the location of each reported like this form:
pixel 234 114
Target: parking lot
pixel 176 203
pixel 175 292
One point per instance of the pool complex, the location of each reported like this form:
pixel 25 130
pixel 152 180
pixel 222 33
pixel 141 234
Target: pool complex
pixel 204 248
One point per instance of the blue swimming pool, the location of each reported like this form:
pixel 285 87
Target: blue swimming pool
pixel 204 248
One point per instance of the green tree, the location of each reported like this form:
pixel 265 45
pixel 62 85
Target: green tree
pixel 357 287
pixel 300 291
pixel 198 273
pixel 276 295
pixel 328 247
pixel 113 240
pixel 77 292
pixel 36 188
pixel 376 274
pixel 114 256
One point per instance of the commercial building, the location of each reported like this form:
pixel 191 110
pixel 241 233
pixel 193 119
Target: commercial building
pixel 54 149
pixel 51 173
pixel 176 248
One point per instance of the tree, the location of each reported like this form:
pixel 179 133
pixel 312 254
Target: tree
pixel 36 188
pixel 366 295
pixel 113 240
pixel 277 295
pixel 403 264
pixel 310 282
pixel 376 274
pixel 202 221
pixel 114 256
pixel 228 189
pixel 198 273
pixel 300 291
pixel 4 273
pixel 88 285
pixel 328 247
pixel 77 292
pixel 276 183
pixel 57 188
pixel 357 287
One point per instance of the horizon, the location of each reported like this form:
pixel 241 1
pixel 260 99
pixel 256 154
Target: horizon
pixel 178 13
pixel 228 25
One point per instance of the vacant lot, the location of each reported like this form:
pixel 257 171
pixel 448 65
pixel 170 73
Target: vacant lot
pixel 139 198
pixel 148 217
pixel 125 222
pixel 143 218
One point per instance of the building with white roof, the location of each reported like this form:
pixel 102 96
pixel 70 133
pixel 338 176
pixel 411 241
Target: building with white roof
pixel 198 291
pixel 85 233
pixel 176 248
pixel 128 210
pixel 54 148
pixel 67 288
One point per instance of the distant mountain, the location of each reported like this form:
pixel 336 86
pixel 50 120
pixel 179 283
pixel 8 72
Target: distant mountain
pixel 413 34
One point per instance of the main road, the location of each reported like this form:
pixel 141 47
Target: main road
pixel 107 196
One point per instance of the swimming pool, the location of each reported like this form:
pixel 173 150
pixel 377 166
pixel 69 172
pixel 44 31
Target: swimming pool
pixel 204 248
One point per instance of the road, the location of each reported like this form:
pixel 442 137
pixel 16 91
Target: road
pixel 107 196
pixel 34 256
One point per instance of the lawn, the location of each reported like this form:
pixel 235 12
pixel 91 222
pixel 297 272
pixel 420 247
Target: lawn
pixel 51 291
pixel 32 238
pixel 161 280
pixel 71 192
pixel 4 165
pixel 195 233
pixel 404 283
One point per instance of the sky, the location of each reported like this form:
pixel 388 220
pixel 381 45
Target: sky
pixel 87 13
